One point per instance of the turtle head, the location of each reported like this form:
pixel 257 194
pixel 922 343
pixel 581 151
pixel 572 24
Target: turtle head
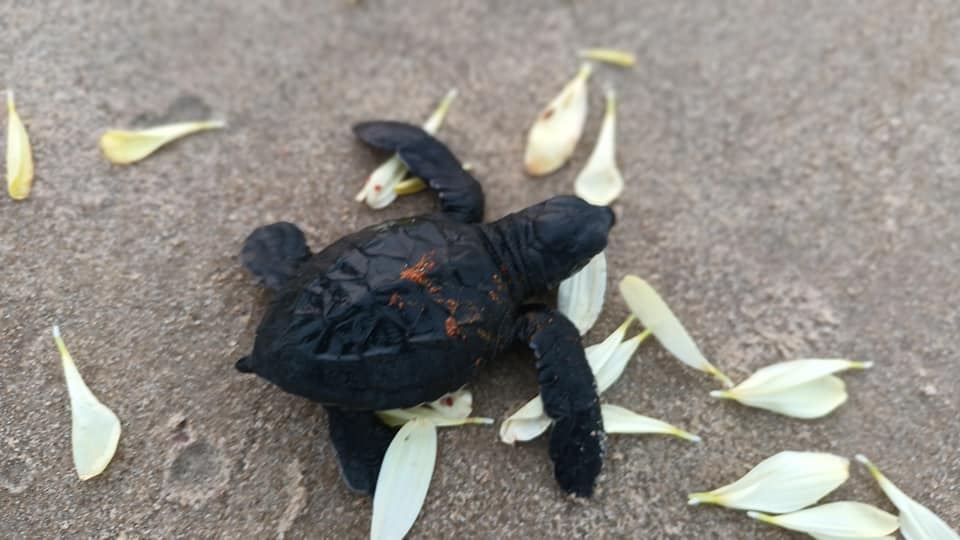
pixel 563 234
pixel 571 230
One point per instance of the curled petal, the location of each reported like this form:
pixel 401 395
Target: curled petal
pixel 580 296
pixel 379 190
pixel 654 314
pixel 457 404
pixel 96 429
pixel 917 522
pixel 619 420
pixel 785 482
pixel 600 181
pixel 404 479
pixel 19 156
pixel 844 519
pixel 555 133
pixel 528 423
pixel 610 56
pixel 125 147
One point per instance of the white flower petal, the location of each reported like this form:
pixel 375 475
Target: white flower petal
pixel 845 519
pixel 619 420
pixel 811 399
pixel 783 375
pixel 600 181
pixel 580 296
pixel 19 155
pixel 599 354
pixel 457 404
pixel 611 370
pixel 528 423
pixel 785 482
pixel 380 188
pixel 404 479
pixel 654 314
pixel 917 522
pixel 125 147
pixel 829 537
pixel 451 410
pixel 557 130
pixel 96 429
pixel 399 417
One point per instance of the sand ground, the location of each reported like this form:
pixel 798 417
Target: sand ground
pixel 792 190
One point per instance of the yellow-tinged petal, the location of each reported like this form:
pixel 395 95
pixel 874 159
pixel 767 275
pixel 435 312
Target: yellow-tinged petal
pixel 811 399
pixel 96 429
pixel 557 129
pixel 619 420
pixel 125 147
pixel 654 314
pixel 783 375
pixel 404 479
pixel 785 482
pixel 917 522
pixel 19 156
pixel 580 296
pixel 379 190
pixel 600 181
pixel 799 388
pixel 610 56
pixel 599 354
pixel 843 519
pixel 409 186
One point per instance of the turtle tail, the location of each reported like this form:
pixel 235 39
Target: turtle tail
pixel 244 365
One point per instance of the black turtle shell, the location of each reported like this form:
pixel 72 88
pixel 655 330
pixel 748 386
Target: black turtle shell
pixel 391 316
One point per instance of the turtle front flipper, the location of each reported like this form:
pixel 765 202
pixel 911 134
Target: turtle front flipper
pixel 461 196
pixel 360 440
pixel 274 252
pixel 569 394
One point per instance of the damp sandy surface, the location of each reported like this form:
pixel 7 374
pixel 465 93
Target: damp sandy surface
pixel 792 191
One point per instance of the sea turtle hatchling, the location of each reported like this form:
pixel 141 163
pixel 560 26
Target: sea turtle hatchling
pixel 406 311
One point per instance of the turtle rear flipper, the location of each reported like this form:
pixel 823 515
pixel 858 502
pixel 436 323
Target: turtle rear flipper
pixel 274 252
pixel 461 196
pixel 569 395
pixel 361 440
